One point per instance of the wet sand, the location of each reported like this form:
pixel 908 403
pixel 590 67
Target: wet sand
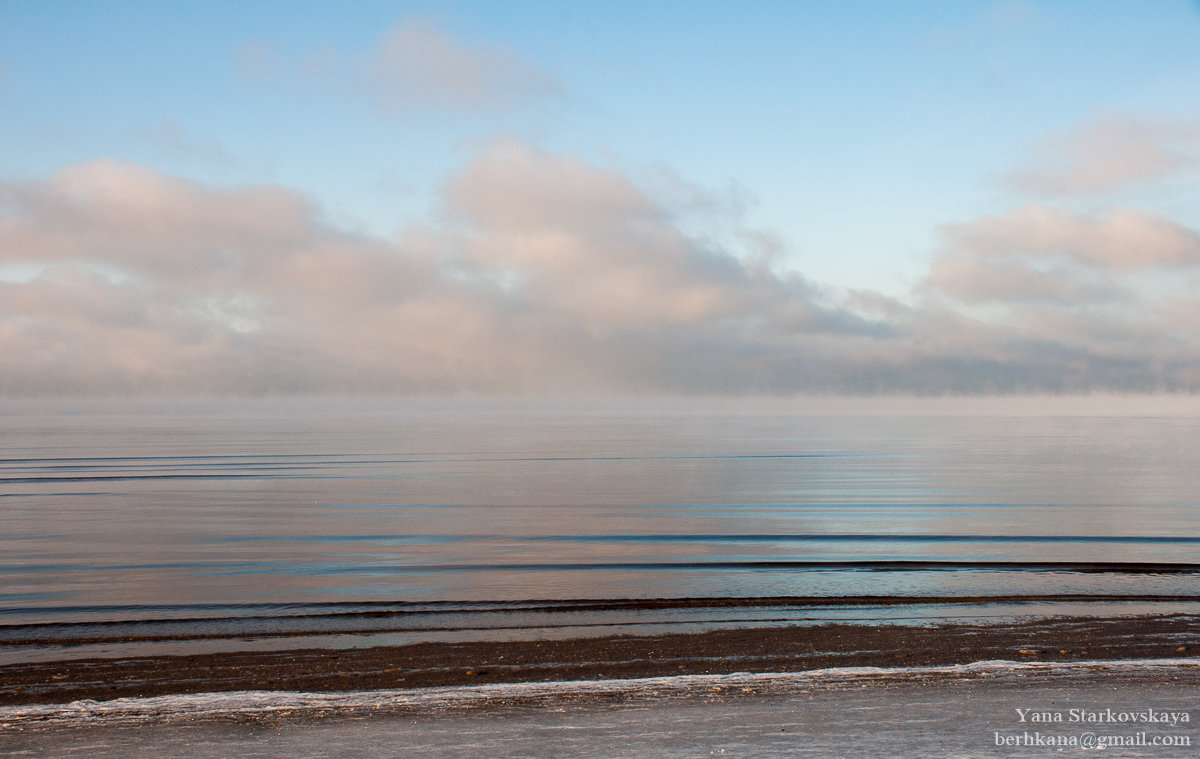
pixel 778 649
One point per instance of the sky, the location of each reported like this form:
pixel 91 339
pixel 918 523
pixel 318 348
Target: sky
pixel 961 197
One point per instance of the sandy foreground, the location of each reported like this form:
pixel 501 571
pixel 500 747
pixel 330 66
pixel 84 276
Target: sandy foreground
pixel 1138 708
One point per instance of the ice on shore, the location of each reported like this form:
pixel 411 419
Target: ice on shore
pixel 960 711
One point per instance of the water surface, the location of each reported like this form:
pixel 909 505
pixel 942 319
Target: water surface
pixel 179 524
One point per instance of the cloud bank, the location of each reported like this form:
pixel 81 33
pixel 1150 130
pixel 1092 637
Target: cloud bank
pixel 551 274
pixel 1104 292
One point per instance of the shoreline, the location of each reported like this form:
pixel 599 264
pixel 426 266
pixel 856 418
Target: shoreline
pixel 733 690
pixel 725 651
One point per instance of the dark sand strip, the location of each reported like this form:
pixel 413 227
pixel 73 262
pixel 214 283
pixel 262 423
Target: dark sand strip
pixel 787 649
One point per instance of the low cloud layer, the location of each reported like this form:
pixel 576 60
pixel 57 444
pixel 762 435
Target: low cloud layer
pixel 551 274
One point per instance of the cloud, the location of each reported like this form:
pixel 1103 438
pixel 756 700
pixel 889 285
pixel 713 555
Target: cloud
pixel 150 280
pixel 585 241
pixel 1106 154
pixel 549 273
pixel 1046 269
pixel 1056 297
pixel 415 67
pixel 546 273
pixel 170 137
pixel 982 280
pixel 419 66
pixel 1123 240
pixel 125 215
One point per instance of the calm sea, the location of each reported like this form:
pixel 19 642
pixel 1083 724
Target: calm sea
pixel 184 527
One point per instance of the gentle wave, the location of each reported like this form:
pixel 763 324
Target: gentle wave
pixel 902 565
pixel 867 565
pixel 708 538
pixel 131 625
pixel 374 608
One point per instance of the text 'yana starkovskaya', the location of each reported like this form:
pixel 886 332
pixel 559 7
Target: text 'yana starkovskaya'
pixel 1106 716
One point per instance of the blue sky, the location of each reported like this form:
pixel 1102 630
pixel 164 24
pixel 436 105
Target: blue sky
pixel 967 183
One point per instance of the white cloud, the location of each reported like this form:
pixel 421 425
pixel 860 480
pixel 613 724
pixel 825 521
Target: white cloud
pixel 1106 154
pixel 979 280
pixel 548 273
pixel 1069 296
pixel 552 273
pixel 1123 240
pixel 415 67
pixel 419 66
pixel 126 215
pixel 585 241
pixel 170 137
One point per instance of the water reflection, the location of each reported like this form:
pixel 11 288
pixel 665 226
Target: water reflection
pixel 267 502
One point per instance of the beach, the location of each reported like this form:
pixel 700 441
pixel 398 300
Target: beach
pixel 1127 708
pixel 772 649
